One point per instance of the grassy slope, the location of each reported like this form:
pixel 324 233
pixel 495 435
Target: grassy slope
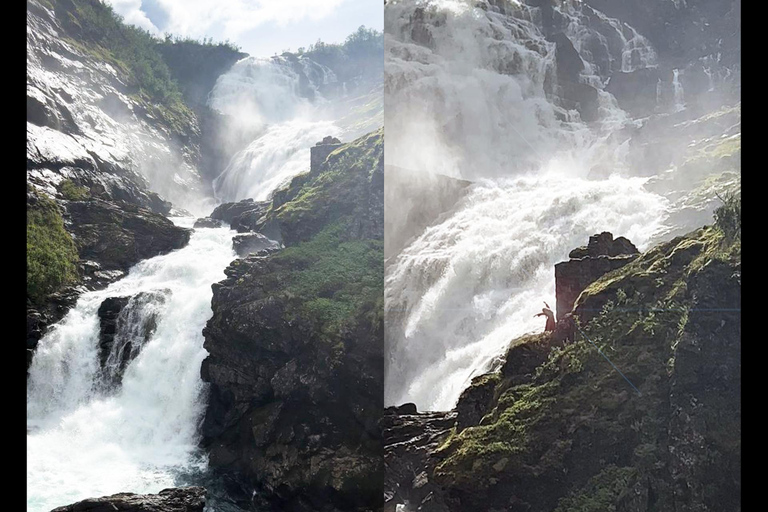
pixel 330 273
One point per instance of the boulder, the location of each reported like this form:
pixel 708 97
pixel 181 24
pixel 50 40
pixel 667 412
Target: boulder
pixel 125 325
pixel 207 222
pixel 253 243
pixel 230 213
pixel 183 499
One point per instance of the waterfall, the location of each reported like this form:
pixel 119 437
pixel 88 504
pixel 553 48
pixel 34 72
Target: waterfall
pixel 679 93
pixel 281 99
pixel 459 293
pixel 89 436
pixel 467 88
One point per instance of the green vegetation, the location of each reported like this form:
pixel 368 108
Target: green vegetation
pixel 334 283
pixel 314 201
pixel 100 32
pixel 334 273
pixel 728 216
pixel 196 64
pixel 601 492
pixel 72 192
pixel 51 253
pixel 361 50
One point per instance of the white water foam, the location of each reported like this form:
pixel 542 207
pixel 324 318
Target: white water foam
pixel 266 95
pixel 85 440
pixel 465 86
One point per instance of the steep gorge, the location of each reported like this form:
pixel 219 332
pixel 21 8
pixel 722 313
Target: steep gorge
pixel 123 151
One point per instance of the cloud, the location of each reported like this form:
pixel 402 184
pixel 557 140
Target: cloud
pixel 221 20
pixel 131 12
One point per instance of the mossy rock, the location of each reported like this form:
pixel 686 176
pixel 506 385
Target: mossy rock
pixel 51 254
pixel 573 434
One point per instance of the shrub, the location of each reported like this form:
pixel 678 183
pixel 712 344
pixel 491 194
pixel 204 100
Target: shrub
pixel 51 254
pixel 72 192
pixel 728 215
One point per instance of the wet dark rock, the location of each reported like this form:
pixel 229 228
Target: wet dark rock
pixel 635 91
pixel 320 151
pixel 108 313
pixel 420 32
pixel 185 499
pixel 410 441
pixel 408 408
pixel 252 220
pixel 582 97
pixel 569 63
pixel 253 243
pixel 242 215
pixel 207 222
pixel 119 235
pixel 125 325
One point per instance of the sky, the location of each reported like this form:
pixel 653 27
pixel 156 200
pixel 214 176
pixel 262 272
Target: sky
pixel 261 28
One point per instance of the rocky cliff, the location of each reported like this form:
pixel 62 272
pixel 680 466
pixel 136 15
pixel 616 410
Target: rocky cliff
pixel 112 148
pixel 557 428
pixel 296 343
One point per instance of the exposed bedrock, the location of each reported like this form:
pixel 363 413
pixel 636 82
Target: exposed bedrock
pixel 185 499
pixel 556 428
pixel 587 264
pixel 119 235
pixel 125 325
pixel 296 340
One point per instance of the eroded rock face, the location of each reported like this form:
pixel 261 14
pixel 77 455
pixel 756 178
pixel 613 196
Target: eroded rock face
pixel 243 216
pixel 207 222
pixel 295 366
pixel 125 325
pixel 119 235
pixel 85 123
pixel 410 439
pixel 602 255
pixel 186 499
pixel 320 151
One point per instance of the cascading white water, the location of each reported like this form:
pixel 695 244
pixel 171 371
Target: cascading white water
pixel 280 153
pixel 679 93
pixel 86 439
pixel 459 293
pixel 266 95
pixel 465 96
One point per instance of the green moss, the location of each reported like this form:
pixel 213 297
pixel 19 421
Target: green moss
pixel 601 492
pixel 334 282
pixel 51 253
pixel 72 192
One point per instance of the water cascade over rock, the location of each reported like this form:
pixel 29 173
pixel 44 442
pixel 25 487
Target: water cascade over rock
pixel 118 379
pixel 517 97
